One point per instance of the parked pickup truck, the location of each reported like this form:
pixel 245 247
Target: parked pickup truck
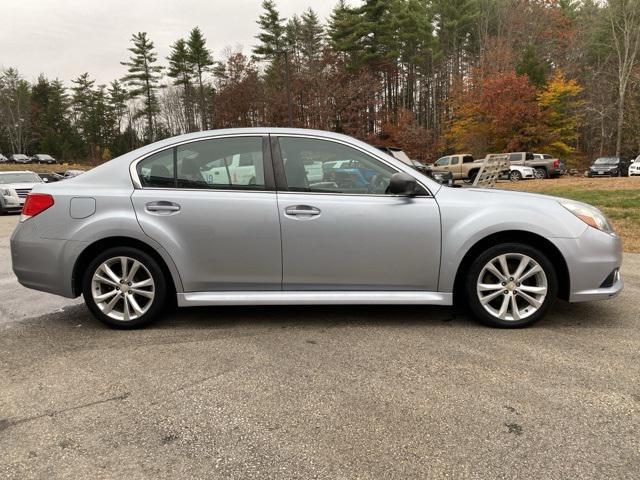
pixel 462 166
pixel 543 167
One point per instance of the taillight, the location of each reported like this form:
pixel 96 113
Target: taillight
pixel 556 163
pixel 35 204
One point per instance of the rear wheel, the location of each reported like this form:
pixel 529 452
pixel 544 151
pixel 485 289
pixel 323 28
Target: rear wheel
pixel 124 288
pixel 540 173
pixel 511 285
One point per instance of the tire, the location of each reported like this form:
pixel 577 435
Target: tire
pixel 515 176
pixel 503 290
pixel 148 299
pixel 472 176
pixel 540 173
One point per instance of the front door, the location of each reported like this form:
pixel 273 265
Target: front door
pixel 343 232
pixel 211 204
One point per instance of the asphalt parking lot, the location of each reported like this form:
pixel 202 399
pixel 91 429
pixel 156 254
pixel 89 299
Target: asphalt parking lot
pixel 323 392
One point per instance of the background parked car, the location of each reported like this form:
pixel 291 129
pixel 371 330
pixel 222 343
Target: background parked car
pixel 519 172
pixel 19 158
pixel 43 158
pixel 71 173
pixel 14 188
pixel 611 166
pixel 3 159
pixel 50 177
pixel 634 168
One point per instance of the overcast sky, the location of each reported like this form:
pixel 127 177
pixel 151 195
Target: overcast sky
pixel 65 38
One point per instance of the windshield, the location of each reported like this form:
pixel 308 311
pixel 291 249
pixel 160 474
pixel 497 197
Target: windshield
pixel 606 161
pixel 20 156
pixel 19 178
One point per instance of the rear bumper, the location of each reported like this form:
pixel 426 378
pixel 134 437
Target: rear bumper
pixel 41 263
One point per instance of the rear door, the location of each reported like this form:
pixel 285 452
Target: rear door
pixel 340 235
pixel 215 214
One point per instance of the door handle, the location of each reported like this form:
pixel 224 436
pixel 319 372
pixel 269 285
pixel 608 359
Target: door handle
pixel 163 207
pixel 302 210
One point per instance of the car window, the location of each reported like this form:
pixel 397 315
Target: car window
pixel 442 162
pixel 350 171
pixel 455 160
pixel 467 159
pixel 157 170
pixel 514 157
pixel 528 156
pixel 227 163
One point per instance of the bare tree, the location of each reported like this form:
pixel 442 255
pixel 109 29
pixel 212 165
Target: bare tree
pixel 624 17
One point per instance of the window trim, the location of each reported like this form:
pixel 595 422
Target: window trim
pixel 281 179
pixel 269 180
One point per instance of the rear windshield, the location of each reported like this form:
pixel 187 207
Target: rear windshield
pixel 19 178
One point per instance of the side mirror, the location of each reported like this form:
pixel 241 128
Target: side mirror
pixel 45 180
pixel 403 184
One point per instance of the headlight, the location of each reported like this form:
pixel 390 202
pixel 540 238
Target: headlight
pixel 7 192
pixel 589 215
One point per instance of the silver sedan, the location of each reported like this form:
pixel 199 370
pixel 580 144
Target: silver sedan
pixel 285 216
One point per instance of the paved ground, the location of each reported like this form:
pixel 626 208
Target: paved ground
pixel 337 393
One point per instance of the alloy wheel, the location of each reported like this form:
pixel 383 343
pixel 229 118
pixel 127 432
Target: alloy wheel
pixel 122 288
pixel 512 287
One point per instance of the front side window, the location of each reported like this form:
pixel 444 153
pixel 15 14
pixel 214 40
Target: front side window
pixel 442 162
pixel 514 157
pixel 312 165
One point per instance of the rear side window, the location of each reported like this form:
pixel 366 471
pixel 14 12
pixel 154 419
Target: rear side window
pixel 529 156
pixel 467 159
pixel 157 170
pixel 224 163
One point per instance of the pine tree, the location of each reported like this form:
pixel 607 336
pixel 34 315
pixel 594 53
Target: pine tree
pixel 180 70
pixel 311 36
pixel 143 78
pixel 273 47
pixel 201 61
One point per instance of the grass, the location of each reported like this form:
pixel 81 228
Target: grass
pixel 35 167
pixel 618 198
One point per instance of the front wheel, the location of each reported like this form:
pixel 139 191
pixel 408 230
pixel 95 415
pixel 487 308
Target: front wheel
pixel 124 288
pixel 511 285
pixel 515 176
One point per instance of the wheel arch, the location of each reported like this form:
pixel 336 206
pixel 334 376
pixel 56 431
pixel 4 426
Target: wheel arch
pixel 528 238
pixel 85 257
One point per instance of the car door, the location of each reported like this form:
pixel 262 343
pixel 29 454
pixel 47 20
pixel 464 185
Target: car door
pixel 345 236
pixel 455 167
pixel 221 230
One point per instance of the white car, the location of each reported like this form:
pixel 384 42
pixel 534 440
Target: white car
pixel 634 168
pixel 520 172
pixel 14 188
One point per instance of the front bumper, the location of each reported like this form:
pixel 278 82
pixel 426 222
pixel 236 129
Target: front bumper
pixel 591 260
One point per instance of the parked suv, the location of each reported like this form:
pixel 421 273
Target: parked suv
pixel 43 158
pixel 19 158
pixel 611 166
